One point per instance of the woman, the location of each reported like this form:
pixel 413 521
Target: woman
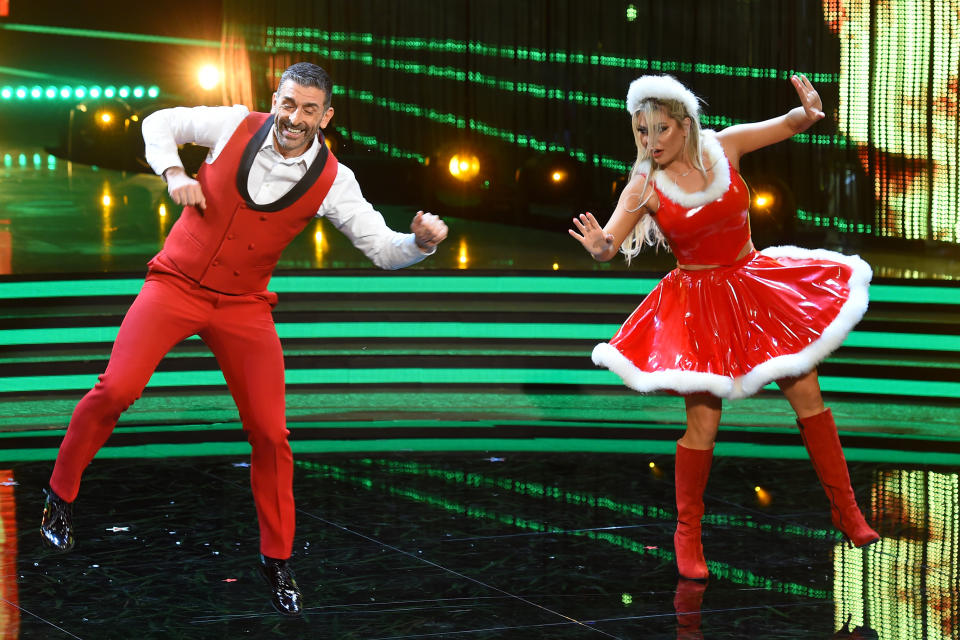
pixel 729 319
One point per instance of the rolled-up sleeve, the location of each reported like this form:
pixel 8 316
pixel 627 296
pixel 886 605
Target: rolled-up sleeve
pixel 347 209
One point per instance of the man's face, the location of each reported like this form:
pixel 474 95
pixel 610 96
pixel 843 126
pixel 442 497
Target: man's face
pixel 300 114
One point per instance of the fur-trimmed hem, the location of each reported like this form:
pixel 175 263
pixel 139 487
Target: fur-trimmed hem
pixel 606 355
pixel 786 366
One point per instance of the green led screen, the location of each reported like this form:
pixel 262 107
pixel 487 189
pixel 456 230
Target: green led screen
pixel 878 587
pixel 538 79
pixel 899 64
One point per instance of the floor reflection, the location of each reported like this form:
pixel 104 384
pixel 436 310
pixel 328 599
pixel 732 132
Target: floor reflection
pixel 479 546
pixel 688 602
pixel 906 585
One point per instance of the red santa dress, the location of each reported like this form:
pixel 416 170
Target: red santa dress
pixel 732 329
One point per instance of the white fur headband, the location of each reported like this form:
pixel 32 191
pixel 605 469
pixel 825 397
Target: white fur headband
pixel 662 87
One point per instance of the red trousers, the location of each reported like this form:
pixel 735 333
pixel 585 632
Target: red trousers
pixel 239 330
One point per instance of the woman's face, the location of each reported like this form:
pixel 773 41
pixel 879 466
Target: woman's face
pixel 663 137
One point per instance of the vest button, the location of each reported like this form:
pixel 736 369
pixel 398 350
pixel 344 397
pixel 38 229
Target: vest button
pixel 250 246
pixel 263 218
pixel 236 273
pixel 231 236
pixel 216 263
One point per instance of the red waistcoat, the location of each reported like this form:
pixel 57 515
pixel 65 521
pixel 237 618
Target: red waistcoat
pixel 234 244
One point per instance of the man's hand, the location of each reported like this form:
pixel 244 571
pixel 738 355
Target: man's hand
pixel 428 230
pixel 183 189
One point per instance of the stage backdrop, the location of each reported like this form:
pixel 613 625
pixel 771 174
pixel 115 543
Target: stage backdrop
pixel 525 79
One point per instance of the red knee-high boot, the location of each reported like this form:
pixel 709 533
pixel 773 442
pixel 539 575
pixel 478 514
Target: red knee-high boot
pixel 819 435
pixel 692 471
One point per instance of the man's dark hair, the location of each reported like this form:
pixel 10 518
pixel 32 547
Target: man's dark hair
pixel 307 74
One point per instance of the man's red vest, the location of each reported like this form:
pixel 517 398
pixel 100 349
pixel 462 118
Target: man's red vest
pixel 234 244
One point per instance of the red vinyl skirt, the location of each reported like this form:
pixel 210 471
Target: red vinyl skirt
pixel 731 330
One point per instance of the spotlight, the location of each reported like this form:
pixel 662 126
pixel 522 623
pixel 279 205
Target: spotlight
pixel 464 166
pixel 465 175
pixel 104 118
pixel 208 76
pixel 774 211
pixel 763 200
pixel 763 496
pixel 550 180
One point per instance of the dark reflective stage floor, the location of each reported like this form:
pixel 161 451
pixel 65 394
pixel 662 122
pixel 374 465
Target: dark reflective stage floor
pixel 509 545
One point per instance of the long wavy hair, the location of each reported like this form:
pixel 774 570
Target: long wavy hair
pixel 646 232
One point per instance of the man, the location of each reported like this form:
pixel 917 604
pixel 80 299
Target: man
pixel 265 178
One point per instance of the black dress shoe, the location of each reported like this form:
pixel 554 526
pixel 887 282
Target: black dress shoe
pixel 284 592
pixel 56 528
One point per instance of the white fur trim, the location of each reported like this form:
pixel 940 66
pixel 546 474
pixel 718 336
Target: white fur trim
pixel 605 355
pixel 795 364
pixel 713 153
pixel 664 86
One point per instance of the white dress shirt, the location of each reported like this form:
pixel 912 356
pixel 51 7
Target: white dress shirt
pixel 272 175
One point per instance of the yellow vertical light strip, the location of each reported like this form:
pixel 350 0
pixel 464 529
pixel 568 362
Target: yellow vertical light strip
pixel 463 258
pixel 106 221
pixel 320 244
pixel 905 586
pixel 946 174
pixel 162 217
pixel 903 116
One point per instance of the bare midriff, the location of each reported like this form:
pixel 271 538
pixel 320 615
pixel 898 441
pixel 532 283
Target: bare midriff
pixel 747 248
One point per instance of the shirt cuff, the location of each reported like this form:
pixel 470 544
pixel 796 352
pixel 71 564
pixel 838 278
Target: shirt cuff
pixel 159 164
pixel 430 252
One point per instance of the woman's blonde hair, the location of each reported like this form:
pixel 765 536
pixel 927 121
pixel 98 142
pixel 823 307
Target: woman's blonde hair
pixel 646 232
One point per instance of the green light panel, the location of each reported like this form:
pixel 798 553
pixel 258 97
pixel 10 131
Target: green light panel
pixel 108 35
pixel 466 284
pixel 900 109
pixel 279 38
pixel 36 161
pixel 834 222
pixel 23 93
